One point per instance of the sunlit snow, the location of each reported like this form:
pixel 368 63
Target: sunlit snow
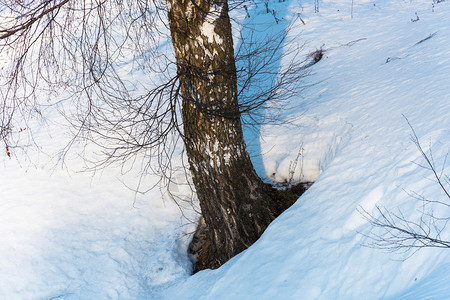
pixel 70 235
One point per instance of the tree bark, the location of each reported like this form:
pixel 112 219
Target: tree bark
pixel 236 205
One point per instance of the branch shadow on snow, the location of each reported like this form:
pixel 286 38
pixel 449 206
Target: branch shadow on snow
pixel 270 72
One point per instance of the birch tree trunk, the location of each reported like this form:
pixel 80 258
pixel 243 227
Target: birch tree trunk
pixel 236 205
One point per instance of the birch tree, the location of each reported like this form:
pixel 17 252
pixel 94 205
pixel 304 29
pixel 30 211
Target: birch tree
pixel 76 46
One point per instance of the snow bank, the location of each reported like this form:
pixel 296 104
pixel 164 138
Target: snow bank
pixel 69 235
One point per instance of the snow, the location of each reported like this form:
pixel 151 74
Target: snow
pixel 71 235
pixel 75 237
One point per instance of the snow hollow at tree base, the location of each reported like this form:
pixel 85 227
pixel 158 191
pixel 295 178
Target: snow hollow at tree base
pixel 199 248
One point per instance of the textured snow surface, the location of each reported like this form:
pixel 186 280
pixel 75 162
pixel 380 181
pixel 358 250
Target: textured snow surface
pixel 353 138
pixel 69 235
pixel 76 237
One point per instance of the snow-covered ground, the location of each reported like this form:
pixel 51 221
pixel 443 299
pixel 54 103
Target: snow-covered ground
pixel 68 235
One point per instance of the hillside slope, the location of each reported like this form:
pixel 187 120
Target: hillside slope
pixel 378 68
pixel 69 235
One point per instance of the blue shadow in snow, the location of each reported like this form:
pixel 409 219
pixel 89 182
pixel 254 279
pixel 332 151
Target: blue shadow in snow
pixel 263 34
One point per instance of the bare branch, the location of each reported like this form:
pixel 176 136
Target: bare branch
pixel 4 33
pixel 399 232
